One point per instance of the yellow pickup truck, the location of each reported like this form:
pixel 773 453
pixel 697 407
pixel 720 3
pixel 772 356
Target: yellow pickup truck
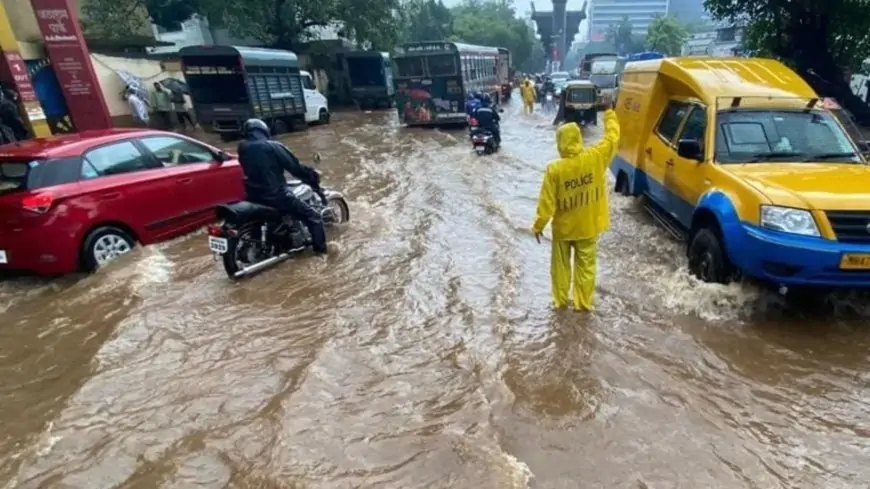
pixel 743 160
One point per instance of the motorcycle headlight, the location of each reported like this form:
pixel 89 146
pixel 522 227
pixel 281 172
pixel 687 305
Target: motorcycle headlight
pixel 789 220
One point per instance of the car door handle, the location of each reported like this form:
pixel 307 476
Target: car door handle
pixel 110 195
pixel 670 162
pixel 184 181
pixel 649 151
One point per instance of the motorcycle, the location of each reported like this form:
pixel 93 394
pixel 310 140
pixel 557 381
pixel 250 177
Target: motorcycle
pixel 548 104
pixel 251 237
pixel 484 142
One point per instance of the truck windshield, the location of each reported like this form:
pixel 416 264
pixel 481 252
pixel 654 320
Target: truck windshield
pixel 409 66
pixel 754 136
pixel 365 72
pixel 441 65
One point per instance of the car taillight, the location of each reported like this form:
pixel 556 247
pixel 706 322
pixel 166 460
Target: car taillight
pixel 218 231
pixel 39 203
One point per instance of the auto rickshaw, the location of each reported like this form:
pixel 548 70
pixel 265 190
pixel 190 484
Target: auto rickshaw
pixel 579 103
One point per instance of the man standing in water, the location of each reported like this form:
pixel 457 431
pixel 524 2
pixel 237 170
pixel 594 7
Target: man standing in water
pixel 574 196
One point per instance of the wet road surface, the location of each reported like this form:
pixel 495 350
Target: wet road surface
pixel 424 354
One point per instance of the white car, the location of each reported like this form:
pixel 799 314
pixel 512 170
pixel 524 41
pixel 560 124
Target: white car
pixel 316 105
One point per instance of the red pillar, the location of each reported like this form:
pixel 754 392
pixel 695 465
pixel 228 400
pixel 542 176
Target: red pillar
pixel 69 55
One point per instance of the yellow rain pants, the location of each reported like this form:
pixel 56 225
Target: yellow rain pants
pixel 581 275
pixel 527 90
pixel 574 197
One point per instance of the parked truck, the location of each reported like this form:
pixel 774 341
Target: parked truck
pixel 370 75
pixel 230 84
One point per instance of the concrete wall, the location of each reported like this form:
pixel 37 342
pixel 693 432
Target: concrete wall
pixel 149 71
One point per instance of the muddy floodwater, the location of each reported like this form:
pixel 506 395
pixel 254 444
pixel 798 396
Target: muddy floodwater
pixel 423 353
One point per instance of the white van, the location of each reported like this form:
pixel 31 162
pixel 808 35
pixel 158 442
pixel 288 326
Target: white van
pixel 316 105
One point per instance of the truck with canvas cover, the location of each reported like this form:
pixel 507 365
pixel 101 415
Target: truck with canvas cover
pixel 370 75
pixel 230 84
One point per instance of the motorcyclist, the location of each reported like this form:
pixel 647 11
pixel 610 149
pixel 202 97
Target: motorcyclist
pixel 488 118
pixel 471 104
pixel 263 163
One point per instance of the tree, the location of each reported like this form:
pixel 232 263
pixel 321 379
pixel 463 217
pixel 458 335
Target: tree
pixel 494 23
pixel 277 23
pixel 426 20
pixel 620 35
pixel 169 14
pixel 666 36
pixel 821 40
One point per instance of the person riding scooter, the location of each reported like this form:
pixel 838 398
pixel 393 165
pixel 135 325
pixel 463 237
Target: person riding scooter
pixel 488 119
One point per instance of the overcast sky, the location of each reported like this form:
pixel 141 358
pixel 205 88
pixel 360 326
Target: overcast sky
pixel 525 6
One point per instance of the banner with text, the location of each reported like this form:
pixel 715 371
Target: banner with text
pixel 65 46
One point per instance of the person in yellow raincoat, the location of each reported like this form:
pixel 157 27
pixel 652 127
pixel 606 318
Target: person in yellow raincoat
pixel 574 196
pixel 527 90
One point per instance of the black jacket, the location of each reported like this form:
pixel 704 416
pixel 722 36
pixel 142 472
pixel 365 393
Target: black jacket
pixel 486 117
pixel 264 162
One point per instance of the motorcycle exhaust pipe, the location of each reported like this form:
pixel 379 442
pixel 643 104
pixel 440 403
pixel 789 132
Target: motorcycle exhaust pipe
pixel 256 267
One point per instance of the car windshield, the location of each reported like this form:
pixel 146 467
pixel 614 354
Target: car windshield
pixel 753 136
pixel 581 95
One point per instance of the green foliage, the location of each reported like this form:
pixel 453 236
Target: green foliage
pixel 484 22
pixel 621 37
pixel 666 35
pixel 169 14
pixel 820 39
pixel 798 31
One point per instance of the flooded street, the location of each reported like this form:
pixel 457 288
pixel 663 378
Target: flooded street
pixel 423 352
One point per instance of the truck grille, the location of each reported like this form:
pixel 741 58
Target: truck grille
pixel 850 226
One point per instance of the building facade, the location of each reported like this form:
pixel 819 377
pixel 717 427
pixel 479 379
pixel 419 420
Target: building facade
pixel 605 13
pixel 721 40
pixel 688 10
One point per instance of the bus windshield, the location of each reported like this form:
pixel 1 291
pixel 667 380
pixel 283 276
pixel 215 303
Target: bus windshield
pixel 441 65
pixel 409 66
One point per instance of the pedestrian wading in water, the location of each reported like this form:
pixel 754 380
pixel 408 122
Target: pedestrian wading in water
pixel 574 197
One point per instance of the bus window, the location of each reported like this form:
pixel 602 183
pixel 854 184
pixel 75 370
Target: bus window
pixel 441 65
pixel 406 67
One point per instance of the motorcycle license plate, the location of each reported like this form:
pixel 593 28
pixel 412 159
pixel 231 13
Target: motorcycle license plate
pixel 479 146
pixel 218 245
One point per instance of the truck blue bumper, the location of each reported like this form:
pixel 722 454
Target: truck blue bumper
pixel 792 260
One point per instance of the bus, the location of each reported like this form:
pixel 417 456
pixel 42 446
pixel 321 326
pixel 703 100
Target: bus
pixel 504 73
pixel 432 80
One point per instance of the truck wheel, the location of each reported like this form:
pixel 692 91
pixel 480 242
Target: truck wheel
pixel 279 127
pixel 707 259
pixel 323 117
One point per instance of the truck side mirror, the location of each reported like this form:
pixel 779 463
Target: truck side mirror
pixel 690 149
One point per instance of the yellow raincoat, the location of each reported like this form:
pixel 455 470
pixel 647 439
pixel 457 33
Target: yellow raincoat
pixel 574 196
pixel 527 90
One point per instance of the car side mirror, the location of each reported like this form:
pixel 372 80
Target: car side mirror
pixel 223 156
pixel 690 149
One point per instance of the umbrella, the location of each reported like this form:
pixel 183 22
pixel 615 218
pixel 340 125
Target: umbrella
pixel 175 85
pixel 134 82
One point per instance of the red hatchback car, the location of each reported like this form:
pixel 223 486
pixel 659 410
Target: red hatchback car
pixel 75 202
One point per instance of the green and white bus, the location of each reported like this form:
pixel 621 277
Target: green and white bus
pixel 432 80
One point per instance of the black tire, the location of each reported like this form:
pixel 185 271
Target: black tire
pixel 323 117
pixel 229 258
pixel 622 187
pixel 707 258
pixel 342 205
pixel 279 127
pixel 89 253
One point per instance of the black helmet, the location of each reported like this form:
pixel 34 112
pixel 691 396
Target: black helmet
pixel 252 125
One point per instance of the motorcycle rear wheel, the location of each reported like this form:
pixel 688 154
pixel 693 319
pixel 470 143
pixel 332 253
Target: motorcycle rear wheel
pixel 231 259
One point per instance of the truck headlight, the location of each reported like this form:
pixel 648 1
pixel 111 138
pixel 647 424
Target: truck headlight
pixel 789 220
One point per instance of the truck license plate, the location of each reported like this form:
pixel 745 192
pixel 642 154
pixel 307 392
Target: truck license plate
pixel 218 245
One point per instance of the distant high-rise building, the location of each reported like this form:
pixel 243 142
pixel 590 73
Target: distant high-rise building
pixel 604 13
pixel 688 10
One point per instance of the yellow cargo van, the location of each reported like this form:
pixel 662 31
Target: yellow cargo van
pixel 741 159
